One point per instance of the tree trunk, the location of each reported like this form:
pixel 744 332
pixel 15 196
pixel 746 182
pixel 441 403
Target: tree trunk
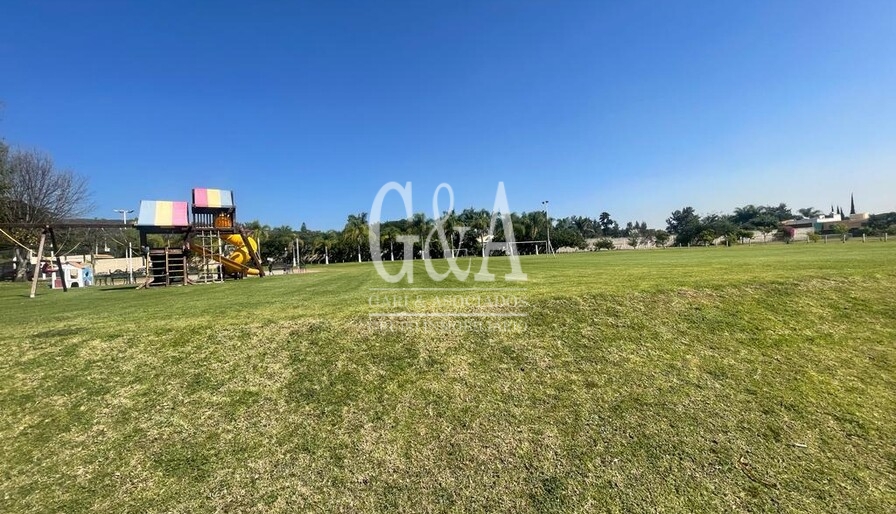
pixel 22 265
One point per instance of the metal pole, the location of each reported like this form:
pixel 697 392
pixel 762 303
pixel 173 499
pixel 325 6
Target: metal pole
pixel 130 263
pixel 547 215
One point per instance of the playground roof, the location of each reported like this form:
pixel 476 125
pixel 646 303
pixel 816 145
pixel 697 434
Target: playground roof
pixel 162 213
pixel 214 198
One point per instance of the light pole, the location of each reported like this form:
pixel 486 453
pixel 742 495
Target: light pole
pixel 124 214
pixel 130 252
pixel 295 252
pixel 548 216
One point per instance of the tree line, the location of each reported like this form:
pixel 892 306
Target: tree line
pixel 745 222
pixel 34 190
pixel 465 233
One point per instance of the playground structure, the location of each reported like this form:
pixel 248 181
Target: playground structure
pixel 225 249
pixel 74 274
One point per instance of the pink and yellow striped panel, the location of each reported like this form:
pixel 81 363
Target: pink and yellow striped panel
pixel 215 198
pixel 162 213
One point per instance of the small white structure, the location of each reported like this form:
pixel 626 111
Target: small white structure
pixel 75 275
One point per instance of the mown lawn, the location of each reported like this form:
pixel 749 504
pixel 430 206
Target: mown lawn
pixel 753 379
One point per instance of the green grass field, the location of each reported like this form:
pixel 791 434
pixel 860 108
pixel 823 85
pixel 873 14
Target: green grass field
pixel 753 379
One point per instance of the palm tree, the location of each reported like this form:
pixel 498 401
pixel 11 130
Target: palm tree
pixel 321 244
pixel 481 224
pixel 420 224
pixel 356 230
pixel 449 222
pixel 259 232
pixel 389 235
pixel 331 239
pixel 529 225
pixel 809 212
pixel 605 223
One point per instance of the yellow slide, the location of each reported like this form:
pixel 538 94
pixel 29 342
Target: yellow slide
pixel 236 262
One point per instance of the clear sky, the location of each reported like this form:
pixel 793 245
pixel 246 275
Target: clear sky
pixel 305 109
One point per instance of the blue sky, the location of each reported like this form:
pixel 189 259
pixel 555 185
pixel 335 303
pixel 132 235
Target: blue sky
pixel 305 109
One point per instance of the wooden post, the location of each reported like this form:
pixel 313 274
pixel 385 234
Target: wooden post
pixel 58 258
pixel 863 237
pixel 40 254
pixel 252 253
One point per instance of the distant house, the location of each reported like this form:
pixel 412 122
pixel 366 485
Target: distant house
pixel 825 224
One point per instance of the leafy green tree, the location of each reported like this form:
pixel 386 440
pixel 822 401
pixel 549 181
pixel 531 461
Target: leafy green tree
pixel 766 224
pixel 706 237
pixel 883 223
pixel 565 237
pixel 841 229
pixel 647 235
pixel 721 226
pixel 685 225
pixel 661 237
pixel 604 243
pixel 743 216
pixel 281 243
pixel 743 234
